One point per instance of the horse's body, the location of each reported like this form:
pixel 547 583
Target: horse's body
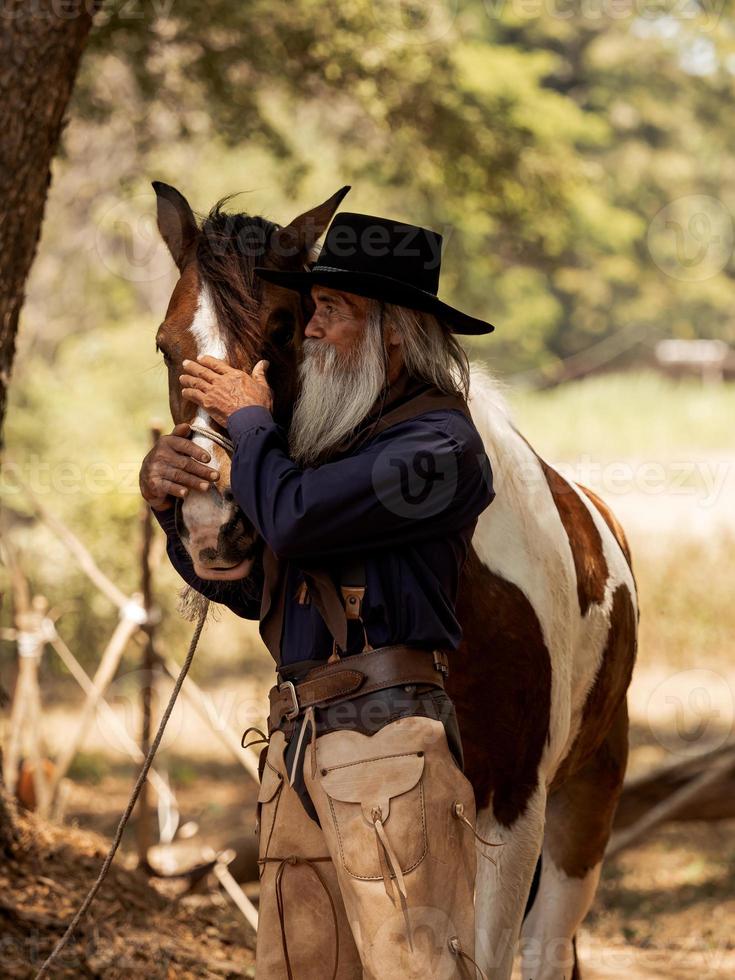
pixel 548 607
pixel 549 614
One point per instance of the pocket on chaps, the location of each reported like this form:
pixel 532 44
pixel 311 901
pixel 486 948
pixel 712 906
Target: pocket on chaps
pixel 377 806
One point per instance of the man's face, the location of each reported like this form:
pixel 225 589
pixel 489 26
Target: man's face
pixel 338 319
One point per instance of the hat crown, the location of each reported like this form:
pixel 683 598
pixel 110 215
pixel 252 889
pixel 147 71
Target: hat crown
pixel 364 243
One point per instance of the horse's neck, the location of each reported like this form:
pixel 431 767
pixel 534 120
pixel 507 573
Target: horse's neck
pixel 492 417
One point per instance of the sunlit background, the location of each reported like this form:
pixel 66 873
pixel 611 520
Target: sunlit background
pixel 580 161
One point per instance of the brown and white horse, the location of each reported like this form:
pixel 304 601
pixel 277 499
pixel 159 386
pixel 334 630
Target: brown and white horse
pixel 547 601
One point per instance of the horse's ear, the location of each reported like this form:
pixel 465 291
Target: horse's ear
pixel 298 238
pixel 176 222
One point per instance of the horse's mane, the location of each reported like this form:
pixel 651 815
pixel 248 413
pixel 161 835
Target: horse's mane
pixel 229 247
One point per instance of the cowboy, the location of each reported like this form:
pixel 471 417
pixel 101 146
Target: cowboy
pixel 366 508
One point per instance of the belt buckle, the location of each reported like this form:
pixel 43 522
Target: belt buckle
pixel 292 712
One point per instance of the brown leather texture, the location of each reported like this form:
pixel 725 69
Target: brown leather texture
pixel 434 851
pixel 292 851
pixel 332 916
pixel 389 785
pixel 360 674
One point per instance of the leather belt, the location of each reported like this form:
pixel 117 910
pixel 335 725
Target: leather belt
pixel 354 676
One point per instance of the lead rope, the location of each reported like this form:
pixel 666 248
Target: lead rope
pixel 222 440
pixel 143 775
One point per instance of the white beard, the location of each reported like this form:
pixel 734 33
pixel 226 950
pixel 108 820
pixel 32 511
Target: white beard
pixel 337 392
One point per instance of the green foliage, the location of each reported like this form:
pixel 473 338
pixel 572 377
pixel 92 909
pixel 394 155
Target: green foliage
pixel 543 145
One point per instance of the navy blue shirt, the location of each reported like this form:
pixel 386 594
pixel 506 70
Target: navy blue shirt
pixel 405 503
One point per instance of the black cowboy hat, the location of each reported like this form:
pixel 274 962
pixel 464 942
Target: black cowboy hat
pixel 384 260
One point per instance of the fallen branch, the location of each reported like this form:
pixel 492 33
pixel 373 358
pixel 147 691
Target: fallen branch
pixel 647 790
pixel 670 807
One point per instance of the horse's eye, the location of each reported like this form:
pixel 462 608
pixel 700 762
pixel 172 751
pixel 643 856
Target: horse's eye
pixel 280 330
pixel 165 354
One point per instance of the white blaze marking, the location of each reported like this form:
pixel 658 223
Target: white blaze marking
pixel 208 336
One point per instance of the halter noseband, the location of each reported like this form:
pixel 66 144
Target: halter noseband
pixel 221 440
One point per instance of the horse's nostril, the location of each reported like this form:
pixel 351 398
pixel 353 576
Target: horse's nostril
pixel 228 496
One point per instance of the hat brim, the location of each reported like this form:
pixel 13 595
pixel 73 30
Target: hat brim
pixel 382 288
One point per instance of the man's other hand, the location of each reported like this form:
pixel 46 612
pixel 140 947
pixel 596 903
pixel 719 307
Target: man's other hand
pixel 221 389
pixel 173 467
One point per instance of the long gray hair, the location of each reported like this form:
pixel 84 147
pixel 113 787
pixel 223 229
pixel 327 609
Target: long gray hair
pixel 338 389
pixel 431 351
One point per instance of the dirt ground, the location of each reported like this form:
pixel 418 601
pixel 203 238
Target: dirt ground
pixel 133 929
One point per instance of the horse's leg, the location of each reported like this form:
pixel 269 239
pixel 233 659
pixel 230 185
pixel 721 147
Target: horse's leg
pixel 579 817
pixel 502 888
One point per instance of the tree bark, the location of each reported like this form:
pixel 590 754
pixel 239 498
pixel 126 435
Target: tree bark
pixel 41 43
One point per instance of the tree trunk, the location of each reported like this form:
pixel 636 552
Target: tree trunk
pixel 40 47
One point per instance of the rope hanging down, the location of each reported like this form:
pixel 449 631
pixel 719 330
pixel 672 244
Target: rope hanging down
pixel 84 907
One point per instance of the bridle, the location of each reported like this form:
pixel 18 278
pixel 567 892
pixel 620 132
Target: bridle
pixel 222 440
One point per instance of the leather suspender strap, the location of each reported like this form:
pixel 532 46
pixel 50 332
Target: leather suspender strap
pixel 423 399
pixel 352 587
pixel 406 399
pixel 353 582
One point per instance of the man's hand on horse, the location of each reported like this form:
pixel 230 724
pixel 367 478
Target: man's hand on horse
pixel 221 389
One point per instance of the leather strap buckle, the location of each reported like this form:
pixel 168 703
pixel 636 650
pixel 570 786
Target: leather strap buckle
pixel 353 597
pixel 289 688
pixel 441 662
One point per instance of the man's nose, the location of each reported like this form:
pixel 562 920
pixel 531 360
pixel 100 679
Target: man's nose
pixel 313 328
